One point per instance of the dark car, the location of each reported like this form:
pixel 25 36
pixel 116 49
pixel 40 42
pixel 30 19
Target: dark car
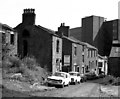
pixel 90 76
pixel 101 75
pixel 83 77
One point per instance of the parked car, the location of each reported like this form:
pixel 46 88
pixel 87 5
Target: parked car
pixel 83 77
pixel 101 75
pixel 75 77
pixel 59 79
pixel 90 76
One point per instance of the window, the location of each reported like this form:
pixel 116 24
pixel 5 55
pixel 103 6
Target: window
pixel 91 53
pixel 12 39
pixel 57 48
pixel 83 58
pixel 3 38
pixel 75 51
pixel 83 70
pixel 115 30
pixel 115 34
pixel 83 48
pixel 77 68
pixel 25 33
pixel 94 53
pixel 88 53
pixel 96 62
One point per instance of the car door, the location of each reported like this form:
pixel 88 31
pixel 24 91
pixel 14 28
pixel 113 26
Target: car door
pixel 68 79
pixel 78 77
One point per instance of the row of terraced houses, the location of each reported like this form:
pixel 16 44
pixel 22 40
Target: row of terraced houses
pixel 93 47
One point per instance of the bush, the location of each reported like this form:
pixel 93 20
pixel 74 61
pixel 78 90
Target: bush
pixel 28 67
pixel 30 62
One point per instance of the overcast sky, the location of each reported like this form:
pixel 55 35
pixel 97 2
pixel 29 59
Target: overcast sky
pixel 51 13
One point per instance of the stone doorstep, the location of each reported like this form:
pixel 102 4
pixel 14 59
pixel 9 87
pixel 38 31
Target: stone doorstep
pixel 110 90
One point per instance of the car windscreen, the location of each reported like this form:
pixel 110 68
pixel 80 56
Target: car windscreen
pixel 73 74
pixel 59 74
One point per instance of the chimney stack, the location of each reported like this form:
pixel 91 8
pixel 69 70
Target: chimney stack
pixel 63 30
pixel 28 16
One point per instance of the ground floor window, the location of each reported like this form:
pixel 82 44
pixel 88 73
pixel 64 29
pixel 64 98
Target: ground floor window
pixel 77 68
pixel 83 70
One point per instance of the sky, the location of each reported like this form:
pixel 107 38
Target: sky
pixel 51 13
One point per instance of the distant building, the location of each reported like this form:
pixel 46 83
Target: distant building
pixel 91 58
pixel 91 32
pixel 76 55
pixel 72 51
pixel 102 65
pixel 112 45
pixel 42 43
pixel 8 41
pixel 76 32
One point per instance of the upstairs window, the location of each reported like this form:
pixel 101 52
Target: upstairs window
pixel 91 53
pixel 3 38
pixel 83 58
pixel 57 47
pixel 75 51
pixel 25 33
pixel 83 48
pixel 12 39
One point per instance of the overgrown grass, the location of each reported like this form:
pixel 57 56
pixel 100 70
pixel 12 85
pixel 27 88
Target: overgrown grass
pixel 30 70
pixel 111 80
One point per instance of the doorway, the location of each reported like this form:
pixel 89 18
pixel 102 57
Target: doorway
pixel 25 48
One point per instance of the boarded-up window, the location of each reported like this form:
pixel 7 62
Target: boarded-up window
pixel 12 39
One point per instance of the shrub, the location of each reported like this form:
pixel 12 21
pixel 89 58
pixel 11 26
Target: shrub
pixel 28 67
pixel 30 62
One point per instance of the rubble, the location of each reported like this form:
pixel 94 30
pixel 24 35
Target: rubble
pixel 110 90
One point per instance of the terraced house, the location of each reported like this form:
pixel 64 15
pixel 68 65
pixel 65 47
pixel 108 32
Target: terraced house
pixel 8 41
pixel 39 42
pixel 76 55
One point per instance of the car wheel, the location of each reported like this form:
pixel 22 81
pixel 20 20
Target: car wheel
pixel 81 80
pixel 75 82
pixel 49 85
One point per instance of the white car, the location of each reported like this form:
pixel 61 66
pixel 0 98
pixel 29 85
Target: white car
pixel 75 77
pixel 59 79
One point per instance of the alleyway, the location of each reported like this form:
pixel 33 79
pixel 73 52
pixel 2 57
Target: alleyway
pixel 87 89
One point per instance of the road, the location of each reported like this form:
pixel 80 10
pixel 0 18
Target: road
pixel 87 89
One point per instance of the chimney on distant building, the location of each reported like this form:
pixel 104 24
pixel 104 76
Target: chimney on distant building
pixel 28 16
pixel 63 30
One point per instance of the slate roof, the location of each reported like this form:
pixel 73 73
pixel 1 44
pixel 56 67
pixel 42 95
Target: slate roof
pixel 72 39
pixel 6 26
pixel 90 46
pixel 76 32
pixel 47 30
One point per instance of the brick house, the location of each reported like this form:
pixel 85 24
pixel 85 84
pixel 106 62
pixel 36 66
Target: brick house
pixel 72 51
pixel 91 58
pixel 8 41
pixel 39 42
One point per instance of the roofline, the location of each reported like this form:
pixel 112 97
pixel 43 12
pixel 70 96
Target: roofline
pixel 74 41
pixel 92 16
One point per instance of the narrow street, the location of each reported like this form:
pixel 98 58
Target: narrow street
pixel 80 90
